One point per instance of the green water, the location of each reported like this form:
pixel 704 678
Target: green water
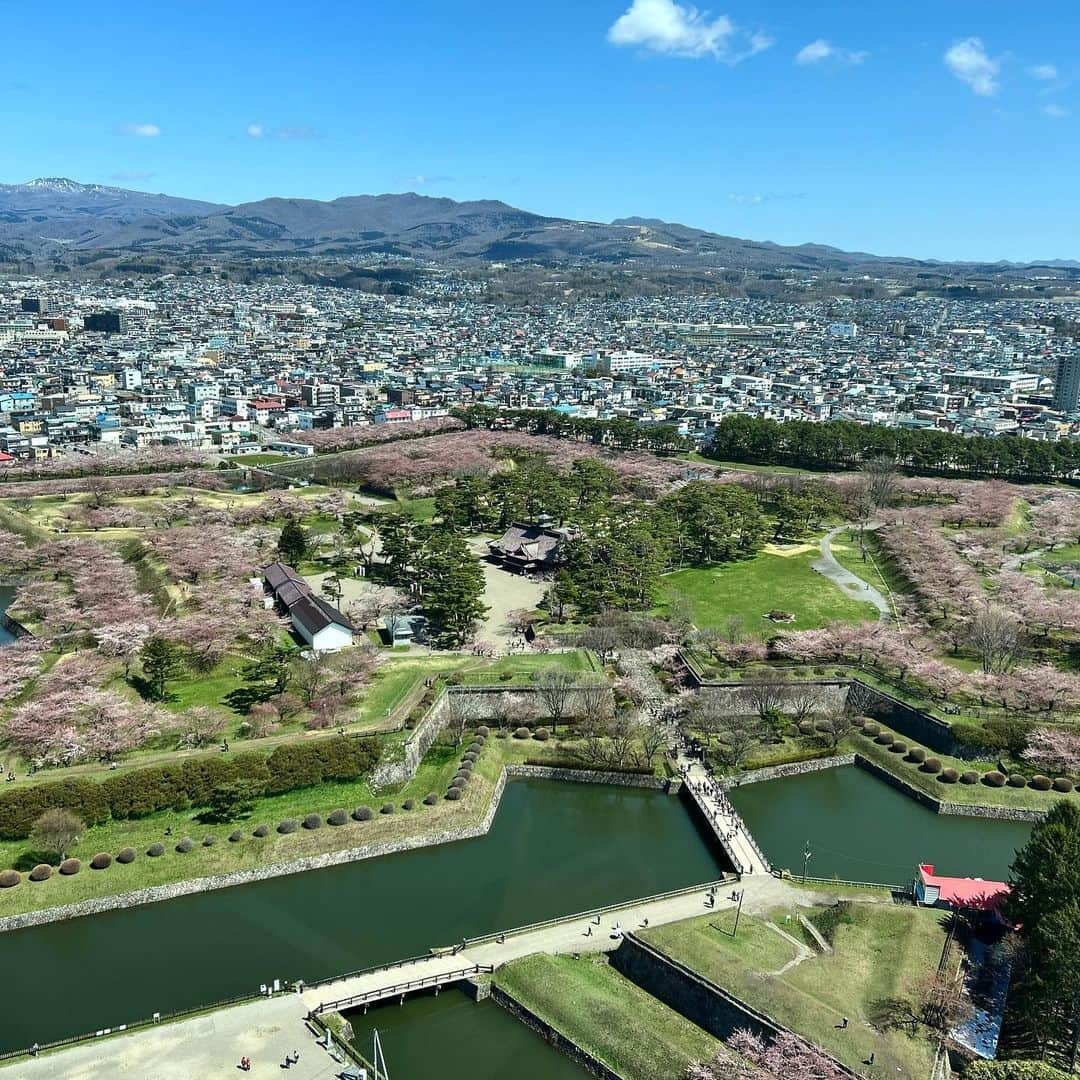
pixel 554 849
pixel 861 829
pixel 453 1038
pixel 7 594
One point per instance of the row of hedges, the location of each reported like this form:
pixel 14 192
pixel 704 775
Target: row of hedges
pixel 1013 1070
pixel 189 783
pixel 103 860
pixel 933 766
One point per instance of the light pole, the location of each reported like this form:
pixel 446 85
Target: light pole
pixel 738 912
pixel 807 853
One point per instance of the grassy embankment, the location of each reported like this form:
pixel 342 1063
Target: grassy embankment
pixel 882 952
pixel 607 1015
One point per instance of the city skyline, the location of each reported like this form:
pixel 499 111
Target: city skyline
pixel 925 133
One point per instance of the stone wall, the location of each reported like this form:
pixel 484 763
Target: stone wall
pixel 999 813
pixel 593 1066
pixel 596 776
pixel 910 722
pixel 693 996
pixel 829 695
pixel 792 768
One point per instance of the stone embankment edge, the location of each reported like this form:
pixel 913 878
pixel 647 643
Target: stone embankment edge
pixel 159 893
pixel 939 806
pixel 593 1066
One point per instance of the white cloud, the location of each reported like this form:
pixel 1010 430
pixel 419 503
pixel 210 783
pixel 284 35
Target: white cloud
pixel 745 198
pixel 970 63
pixel 1043 72
pixel 261 131
pixel 1055 111
pixel 144 131
pixel 671 29
pixel 820 50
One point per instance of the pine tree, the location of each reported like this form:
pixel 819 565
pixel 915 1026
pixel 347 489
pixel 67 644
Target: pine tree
pixel 293 543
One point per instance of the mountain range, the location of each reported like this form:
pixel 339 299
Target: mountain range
pixel 50 216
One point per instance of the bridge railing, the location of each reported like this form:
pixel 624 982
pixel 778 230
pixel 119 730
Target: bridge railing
pixel 423 983
pixel 487 939
pixel 367 971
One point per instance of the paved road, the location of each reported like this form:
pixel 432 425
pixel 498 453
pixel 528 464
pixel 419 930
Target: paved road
pixel 844 579
pixel 210 1047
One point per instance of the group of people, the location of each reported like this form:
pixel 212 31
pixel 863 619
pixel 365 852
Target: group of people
pixel 290 1060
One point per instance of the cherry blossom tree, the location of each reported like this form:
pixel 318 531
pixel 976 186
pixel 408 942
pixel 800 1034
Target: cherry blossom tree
pixel 1054 750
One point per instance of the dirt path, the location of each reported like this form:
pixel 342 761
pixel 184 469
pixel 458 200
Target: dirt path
pixel 851 584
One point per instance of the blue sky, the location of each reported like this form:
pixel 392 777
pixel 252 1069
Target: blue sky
pixel 943 130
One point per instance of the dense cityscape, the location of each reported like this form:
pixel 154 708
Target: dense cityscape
pixel 200 364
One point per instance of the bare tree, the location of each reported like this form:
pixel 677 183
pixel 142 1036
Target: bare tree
pixel 767 691
pixel 460 709
pixel 741 735
pixel 309 674
pixel 994 634
pixel 881 476
pixel 653 741
pixel 860 699
pixel 556 689
pixel 603 639
pixel 55 831
pixel 834 728
pixel 594 702
pixel 510 710
pixel 804 699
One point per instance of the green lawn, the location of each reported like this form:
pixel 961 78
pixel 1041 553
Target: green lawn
pixel 613 1019
pixel 259 459
pixel 881 953
pixel 225 856
pixel 751 588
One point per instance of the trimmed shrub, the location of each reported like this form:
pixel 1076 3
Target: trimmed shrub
pixel 9 878
pixel 462 774
pixel 70 866
pixel 287 826
pixel 949 776
pixel 541 734
pixel 468 759
pixel 994 779
pixel 483 731
pixel 476 746
pixel 236 836
pixel 298 765
pixel 363 813
pixel 522 733
pixel 502 733
pixel 1042 783
pixel 101 861
pixel 155 850
pixel 1063 783
pixel 898 747
pixel 466 767
pixel 386 808
pixel 858 721
pixel 931 765
pixel 430 799
pixel 41 872
pixel 409 804
pixel 209 840
pixel 453 794
pixel 261 831
pixel 969 777
pixel 459 781
pixel 185 845
pixel 916 755
pixel 312 821
pixel 806 727
pixel 871 731
pixel 125 856
pixel 1017 781
pixel 337 817
pixel 884 738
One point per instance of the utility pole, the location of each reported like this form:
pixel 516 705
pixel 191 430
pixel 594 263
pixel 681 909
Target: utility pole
pixel 807 853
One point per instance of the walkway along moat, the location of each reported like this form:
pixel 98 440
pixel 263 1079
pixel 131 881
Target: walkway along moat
pixel 553 849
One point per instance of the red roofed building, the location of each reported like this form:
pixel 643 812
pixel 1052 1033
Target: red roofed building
pixel 966 894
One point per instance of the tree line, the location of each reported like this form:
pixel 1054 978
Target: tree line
pixel 844 445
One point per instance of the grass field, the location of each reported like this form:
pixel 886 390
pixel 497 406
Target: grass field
pixel 594 1006
pixel 225 856
pixel 756 586
pixel 881 953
